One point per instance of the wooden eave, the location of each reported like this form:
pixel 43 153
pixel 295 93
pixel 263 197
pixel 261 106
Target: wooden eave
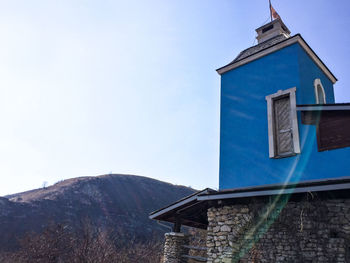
pixel 192 212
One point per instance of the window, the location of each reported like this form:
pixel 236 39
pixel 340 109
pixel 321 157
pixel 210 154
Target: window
pixel 267 28
pixel 282 124
pixel 319 92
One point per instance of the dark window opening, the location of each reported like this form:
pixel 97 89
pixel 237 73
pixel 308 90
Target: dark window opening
pixel 267 28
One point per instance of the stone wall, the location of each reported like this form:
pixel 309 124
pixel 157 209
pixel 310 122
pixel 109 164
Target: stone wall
pixel 310 229
pixel 173 247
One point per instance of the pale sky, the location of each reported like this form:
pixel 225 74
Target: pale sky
pixel 94 87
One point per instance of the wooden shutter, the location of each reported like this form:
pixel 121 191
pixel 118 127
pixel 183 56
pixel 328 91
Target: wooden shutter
pixel 333 130
pixel 283 127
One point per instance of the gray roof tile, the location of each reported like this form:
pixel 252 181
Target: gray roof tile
pixel 255 49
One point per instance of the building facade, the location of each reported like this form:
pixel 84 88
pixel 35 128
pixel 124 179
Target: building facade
pixel 251 147
pixel 284 181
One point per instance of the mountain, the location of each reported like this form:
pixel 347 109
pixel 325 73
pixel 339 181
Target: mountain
pixel 116 202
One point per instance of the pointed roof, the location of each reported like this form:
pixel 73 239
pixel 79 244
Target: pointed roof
pixel 272 45
pixel 254 49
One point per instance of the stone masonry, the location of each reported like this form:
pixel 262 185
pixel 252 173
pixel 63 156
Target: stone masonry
pixel 309 229
pixel 173 247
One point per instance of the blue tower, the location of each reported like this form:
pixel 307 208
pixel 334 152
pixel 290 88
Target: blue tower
pixel 279 122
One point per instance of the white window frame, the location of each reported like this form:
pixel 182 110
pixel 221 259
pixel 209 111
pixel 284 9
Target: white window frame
pixel 271 121
pixel 317 83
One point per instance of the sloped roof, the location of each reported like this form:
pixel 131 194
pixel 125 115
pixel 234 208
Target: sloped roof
pixel 193 213
pixel 254 49
pixel 273 45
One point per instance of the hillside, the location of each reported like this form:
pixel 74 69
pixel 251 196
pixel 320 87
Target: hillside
pixel 115 202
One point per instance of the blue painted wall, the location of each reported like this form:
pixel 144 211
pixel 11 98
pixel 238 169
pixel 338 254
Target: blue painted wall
pixel 244 153
pixel 308 73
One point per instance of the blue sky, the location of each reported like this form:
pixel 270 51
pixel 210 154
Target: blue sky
pixel 94 87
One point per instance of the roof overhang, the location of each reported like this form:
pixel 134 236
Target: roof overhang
pixel 280 189
pixel 324 107
pixel 192 210
pixel 289 41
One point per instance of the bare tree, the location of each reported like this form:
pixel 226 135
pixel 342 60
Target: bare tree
pixel 58 244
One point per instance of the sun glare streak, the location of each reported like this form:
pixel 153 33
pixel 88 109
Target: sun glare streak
pixel 272 211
